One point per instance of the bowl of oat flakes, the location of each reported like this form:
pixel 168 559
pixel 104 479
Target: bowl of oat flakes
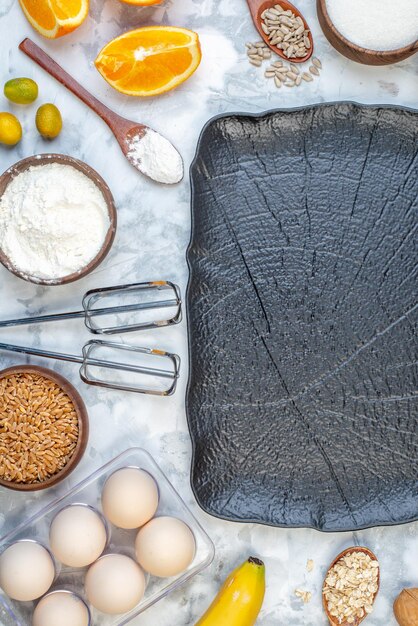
pixel 43 428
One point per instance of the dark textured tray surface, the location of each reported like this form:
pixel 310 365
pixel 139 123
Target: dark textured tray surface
pixel 302 308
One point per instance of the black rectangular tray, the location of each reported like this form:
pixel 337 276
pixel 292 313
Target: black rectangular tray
pixel 302 307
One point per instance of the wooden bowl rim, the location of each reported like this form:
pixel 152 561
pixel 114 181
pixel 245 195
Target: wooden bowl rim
pixel 340 556
pixel 83 426
pixel 359 49
pixel 84 168
pixel 286 5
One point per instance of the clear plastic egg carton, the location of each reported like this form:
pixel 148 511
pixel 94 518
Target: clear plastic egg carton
pixel 13 613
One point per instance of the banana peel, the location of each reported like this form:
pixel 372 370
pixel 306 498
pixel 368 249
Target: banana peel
pixel 240 598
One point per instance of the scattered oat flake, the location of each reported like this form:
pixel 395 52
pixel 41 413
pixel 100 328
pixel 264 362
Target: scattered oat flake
pixel 305 596
pixel 310 565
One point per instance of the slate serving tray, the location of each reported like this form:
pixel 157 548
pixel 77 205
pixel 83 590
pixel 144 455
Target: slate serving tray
pixel 302 308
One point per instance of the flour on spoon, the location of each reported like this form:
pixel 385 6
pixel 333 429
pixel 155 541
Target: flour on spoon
pixel 156 157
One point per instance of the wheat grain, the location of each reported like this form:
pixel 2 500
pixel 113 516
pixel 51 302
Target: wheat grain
pixel 38 428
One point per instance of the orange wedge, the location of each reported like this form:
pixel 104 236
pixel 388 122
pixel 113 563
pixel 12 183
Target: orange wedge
pixel 150 61
pixel 55 18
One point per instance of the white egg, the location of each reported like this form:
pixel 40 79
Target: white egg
pixel 115 584
pixel 165 547
pixel 130 498
pixel 77 535
pixel 27 571
pixel 61 608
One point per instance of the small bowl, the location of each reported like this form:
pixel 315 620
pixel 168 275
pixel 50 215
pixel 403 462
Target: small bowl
pixel 357 53
pixel 62 159
pixel 83 427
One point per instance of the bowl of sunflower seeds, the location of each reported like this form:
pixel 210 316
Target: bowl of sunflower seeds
pixel 43 428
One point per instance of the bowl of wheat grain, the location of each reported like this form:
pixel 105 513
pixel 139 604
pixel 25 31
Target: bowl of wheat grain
pixel 43 428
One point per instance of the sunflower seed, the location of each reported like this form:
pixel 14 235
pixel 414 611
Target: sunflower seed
pixel 291 75
pixel 298 80
pixel 255 62
pixel 317 63
pixel 286 32
pixel 290 83
pixel 278 64
pixel 269 73
pixel 307 77
pixel 314 70
pixel 277 82
pixel 260 44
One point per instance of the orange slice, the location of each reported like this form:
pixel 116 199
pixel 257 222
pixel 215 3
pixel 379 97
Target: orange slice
pixel 55 18
pixel 149 61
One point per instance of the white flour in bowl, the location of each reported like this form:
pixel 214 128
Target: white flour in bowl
pixel 376 24
pixel 53 221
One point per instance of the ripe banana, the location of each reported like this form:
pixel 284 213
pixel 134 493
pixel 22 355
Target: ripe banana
pixel 239 600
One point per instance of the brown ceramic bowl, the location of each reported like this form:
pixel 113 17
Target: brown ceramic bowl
pixel 357 53
pixel 42 159
pixel 83 426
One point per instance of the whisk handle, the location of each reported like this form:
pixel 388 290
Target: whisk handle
pixel 72 358
pixel 39 319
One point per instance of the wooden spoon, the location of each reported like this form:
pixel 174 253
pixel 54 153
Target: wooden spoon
pixel 257 7
pixel 333 620
pixel 124 130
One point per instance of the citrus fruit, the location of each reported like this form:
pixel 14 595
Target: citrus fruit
pixel 21 90
pixel 55 18
pixel 10 129
pixel 149 61
pixel 48 121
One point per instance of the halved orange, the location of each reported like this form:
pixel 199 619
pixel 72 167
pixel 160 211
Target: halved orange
pixel 150 61
pixel 55 18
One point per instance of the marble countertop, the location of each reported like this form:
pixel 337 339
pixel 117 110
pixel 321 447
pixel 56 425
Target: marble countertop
pixel 153 232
